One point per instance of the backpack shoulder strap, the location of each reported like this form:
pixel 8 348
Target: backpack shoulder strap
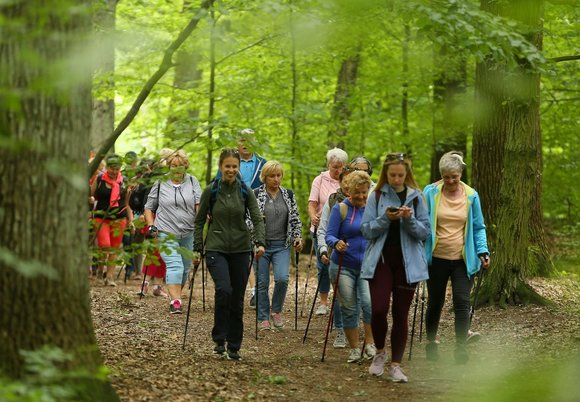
pixel 343 210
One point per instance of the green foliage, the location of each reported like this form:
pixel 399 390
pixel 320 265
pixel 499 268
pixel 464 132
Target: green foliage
pixel 253 84
pixel 47 379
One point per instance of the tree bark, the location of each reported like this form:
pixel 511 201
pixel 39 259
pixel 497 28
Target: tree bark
pixel 511 184
pixel 341 110
pixel 44 211
pixel 449 129
pixel 184 118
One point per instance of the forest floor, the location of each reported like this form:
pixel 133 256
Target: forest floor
pixel 527 353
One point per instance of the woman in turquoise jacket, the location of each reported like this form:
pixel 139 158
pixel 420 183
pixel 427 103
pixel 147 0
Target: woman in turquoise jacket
pixel 395 223
pixel 456 249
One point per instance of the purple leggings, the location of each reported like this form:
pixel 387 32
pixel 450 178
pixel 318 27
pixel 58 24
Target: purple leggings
pixel 390 279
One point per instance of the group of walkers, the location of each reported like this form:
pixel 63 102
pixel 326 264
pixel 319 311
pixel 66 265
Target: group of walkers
pixel 374 243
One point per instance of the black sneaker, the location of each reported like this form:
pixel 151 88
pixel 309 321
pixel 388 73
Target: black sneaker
pixel 233 355
pixel 461 356
pixel 432 351
pixel 219 350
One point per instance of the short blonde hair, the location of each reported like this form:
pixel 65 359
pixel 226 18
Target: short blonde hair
pixel 269 168
pixel 356 179
pixel 180 156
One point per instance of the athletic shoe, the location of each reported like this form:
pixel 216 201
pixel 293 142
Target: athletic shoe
pixel 396 374
pixel 370 351
pixel 461 356
pixel 219 350
pixel 264 325
pixel 472 337
pixel 377 367
pixel 175 307
pixel 277 320
pixel 109 282
pixel 158 291
pixel 253 299
pixel 234 355
pixel 322 310
pixel 340 340
pixel 432 352
pixel 354 355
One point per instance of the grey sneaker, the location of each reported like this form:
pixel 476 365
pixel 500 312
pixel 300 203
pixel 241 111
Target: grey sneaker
pixel 354 355
pixel 253 299
pixel 322 310
pixel 370 351
pixel 378 365
pixel 340 340
pixel 277 320
pixel 396 374
pixel 472 337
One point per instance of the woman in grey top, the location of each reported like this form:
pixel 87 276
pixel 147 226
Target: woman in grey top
pixel 283 229
pixel 170 211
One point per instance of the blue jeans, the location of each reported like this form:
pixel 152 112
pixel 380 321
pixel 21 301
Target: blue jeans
pixel 277 255
pixel 324 284
pixel 323 278
pixel 177 263
pixel 353 293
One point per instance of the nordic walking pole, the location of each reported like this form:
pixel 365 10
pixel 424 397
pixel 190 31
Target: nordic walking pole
pixel 296 295
pixel 189 304
pixel 257 288
pixel 141 294
pixel 203 282
pixel 311 311
pixel 307 278
pixel 413 325
pixel 422 311
pixel 477 287
pixel 330 316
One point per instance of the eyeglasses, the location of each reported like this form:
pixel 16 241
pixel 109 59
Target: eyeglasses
pixel 396 156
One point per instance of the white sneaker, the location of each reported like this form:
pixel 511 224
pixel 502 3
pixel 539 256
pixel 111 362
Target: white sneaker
pixel 340 340
pixel 377 367
pixel 370 351
pixel 396 374
pixel 321 310
pixel 354 355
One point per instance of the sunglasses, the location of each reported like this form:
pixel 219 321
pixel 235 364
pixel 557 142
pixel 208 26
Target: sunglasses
pixel 353 169
pixel 396 157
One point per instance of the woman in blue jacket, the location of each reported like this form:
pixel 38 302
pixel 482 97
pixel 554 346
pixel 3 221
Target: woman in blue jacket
pixel 396 224
pixel 344 236
pixel 456 249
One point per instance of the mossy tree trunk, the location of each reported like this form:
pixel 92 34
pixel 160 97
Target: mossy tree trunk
pixel 342 109
pixel 43 196
pixel 449 126
pixel 507 169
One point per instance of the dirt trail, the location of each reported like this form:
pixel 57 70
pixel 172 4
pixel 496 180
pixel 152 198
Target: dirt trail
pixel 141 343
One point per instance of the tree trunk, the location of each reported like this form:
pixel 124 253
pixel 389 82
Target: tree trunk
pixel 511 186
pixel 405 92
pixel 184 118
pixel 43 214
pixel 211 106
pixel 449 129
pixel 341 110
pixel 104 108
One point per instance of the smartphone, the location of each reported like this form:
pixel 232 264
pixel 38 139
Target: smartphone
pixel 393 209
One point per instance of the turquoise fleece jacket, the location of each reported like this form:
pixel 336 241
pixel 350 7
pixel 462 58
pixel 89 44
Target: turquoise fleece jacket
pixel 414 231
pixel 475 235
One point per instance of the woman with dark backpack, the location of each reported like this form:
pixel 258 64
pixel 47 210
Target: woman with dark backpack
pixel 110 214
pixel 227 249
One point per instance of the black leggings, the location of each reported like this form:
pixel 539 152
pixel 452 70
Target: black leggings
pixel 439 273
